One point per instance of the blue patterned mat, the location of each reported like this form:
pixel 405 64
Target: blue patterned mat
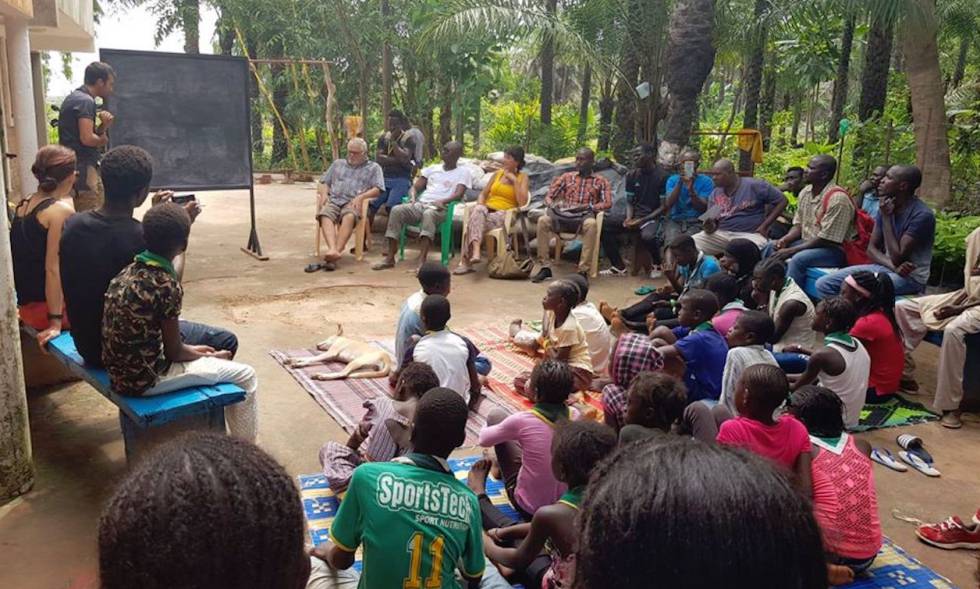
pixel 893 569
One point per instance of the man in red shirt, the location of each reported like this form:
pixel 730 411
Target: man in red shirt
pixel 573 201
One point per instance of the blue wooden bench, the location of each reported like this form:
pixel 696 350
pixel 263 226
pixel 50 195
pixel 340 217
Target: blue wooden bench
pixel 146 420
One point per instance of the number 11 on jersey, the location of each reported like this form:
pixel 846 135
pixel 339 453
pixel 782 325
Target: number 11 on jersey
pixel 414 578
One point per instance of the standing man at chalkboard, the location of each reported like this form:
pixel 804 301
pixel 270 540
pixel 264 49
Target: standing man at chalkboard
pixel 83 128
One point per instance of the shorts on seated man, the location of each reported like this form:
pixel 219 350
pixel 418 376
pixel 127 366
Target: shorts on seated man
pixel 341 193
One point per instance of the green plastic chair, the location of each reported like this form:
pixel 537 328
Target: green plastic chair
pixel 445 233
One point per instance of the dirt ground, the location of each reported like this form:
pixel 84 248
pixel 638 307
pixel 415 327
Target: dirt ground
pixel 48 536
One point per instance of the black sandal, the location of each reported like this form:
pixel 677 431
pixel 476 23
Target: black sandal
pixel 315 267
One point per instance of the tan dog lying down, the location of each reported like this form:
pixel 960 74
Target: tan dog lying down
pixel 363 360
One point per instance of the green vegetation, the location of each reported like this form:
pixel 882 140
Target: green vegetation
pixel 551 75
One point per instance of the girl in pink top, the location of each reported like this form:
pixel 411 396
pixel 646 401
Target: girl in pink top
pixel 845 502
pixel 522 441
pixel 761 390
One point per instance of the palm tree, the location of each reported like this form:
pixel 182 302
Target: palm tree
pixel 172 15
pixel 690 59
pixel 877 59
pixel 843 75
pixel 920 29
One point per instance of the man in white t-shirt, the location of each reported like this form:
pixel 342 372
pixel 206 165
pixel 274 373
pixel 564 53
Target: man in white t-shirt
pixel 434 189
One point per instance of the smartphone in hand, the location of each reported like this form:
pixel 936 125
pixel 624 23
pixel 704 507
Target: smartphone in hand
pixel 182 199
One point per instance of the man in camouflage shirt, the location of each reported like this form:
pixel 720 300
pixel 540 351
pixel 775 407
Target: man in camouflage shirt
pixel 141 345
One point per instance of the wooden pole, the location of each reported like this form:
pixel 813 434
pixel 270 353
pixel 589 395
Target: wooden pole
pixel 328 113
pixel 302 120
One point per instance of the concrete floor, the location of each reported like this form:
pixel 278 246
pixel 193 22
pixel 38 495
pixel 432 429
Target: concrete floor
pixel 48 536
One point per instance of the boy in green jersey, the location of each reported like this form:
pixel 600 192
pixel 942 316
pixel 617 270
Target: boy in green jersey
pixel 415 521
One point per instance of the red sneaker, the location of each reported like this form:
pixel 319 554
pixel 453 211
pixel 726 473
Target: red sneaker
pixel 950 534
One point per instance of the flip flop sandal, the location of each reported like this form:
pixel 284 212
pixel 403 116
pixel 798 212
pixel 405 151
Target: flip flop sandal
pixel 916 462
pixel 914 445
pixel 643 290
pixel 461 270
pixel 330 266
pixel 885 458
pixel 383 265
pixel 314 267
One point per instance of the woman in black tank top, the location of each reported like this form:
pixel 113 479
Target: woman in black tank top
pixel 34 238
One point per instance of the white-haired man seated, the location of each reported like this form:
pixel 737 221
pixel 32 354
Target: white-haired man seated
pixel 340 199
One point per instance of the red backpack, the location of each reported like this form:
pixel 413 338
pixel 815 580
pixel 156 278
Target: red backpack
pixel 856 250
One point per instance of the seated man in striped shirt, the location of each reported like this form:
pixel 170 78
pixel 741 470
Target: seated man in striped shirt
pixel 573 200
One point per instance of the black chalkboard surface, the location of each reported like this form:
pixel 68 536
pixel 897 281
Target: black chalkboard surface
pixel 191 112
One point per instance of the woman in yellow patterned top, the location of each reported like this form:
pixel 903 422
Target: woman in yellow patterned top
pixel 508 189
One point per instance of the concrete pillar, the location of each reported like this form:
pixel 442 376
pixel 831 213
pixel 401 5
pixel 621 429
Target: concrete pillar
pixel 22 101
pixel 41 112
pixel 16 467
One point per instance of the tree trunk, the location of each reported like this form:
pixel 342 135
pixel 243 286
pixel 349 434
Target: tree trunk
pixel 722 86
pixel 226 36
pixel 190 19
pixel 624 130
pixel 690 58
pixel 928 107
pixel 964 52
pixel 460 119
pixel 258 142
pixel 430 134
pixel 280 96
pixel 583 109
pixel 874 77
pixel 606 106
pixel 753 85
pixel 794 136
pixel 446 115
pixel 363 88
pixel 386 64
pixel 768 104
pixel 548 69
pixel 477 147
pixel 840 84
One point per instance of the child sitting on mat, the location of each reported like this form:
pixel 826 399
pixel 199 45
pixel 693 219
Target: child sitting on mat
pixel 451 356
pixel 542 552
pixel 746 347
pixel 435 279
pixel 522 442
pixel 842 364
pixel 561 337
pixel 597 334
pixel 702 348
pixel 373 439
pixel 656 402
pixel 845 501
pixel 633 354
pixel 689 269
pixel 785 441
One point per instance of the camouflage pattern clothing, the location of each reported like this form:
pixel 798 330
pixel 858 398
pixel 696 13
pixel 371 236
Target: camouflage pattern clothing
pixel 138 300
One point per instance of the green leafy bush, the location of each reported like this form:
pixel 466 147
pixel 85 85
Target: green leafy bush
pixel 510 122
pixel 949 251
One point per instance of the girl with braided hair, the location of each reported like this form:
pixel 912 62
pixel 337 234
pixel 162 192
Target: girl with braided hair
pixel 873 297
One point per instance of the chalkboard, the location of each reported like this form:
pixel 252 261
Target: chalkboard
pixel 191 112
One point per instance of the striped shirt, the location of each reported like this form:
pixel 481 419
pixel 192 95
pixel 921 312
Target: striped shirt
pixel 573 190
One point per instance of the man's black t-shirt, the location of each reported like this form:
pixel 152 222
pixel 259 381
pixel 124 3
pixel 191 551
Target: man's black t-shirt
pixel 646 186
pixel 78 105
pixel 398 170
pixel 94 248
